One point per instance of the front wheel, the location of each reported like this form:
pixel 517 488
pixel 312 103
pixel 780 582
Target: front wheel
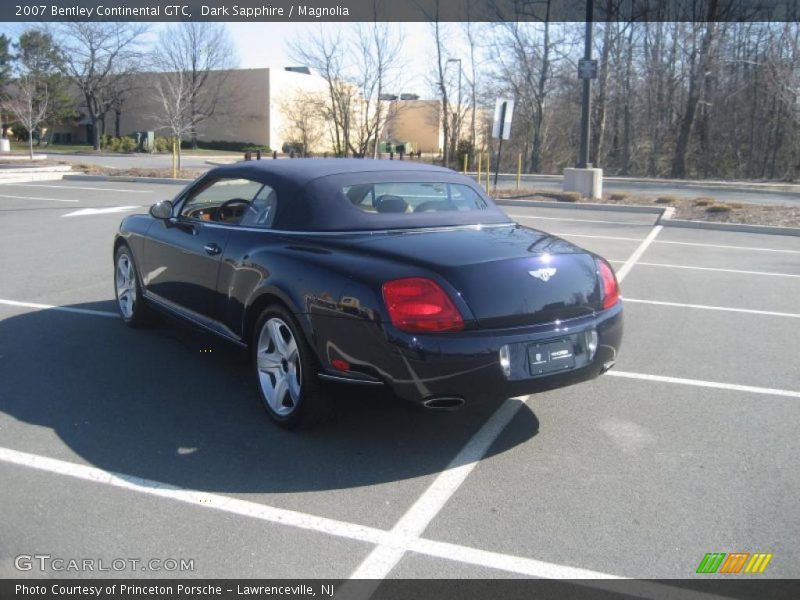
pixel 285 371
pixel 130 300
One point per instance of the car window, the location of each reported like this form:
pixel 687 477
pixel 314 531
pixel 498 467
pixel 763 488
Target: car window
pixel 413 197
pixel 222 201
pixel 261 211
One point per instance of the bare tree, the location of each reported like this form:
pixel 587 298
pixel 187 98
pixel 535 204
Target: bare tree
pixel 441 83
pixel 28 105
pixel 96 56
pixel 195 49
pixel 305 123
pixel 324 52
pixel 175 101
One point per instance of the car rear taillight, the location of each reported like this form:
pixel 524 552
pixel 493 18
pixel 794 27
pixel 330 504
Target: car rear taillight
pixel 417 304
pixel 610 285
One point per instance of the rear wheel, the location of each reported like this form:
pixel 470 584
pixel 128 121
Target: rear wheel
pixel 130 300
pixel 286 371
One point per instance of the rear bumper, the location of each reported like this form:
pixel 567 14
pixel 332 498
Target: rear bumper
pixel 467 364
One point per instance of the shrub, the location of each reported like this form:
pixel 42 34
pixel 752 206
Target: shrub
pixel 105 141
pixel 703 201
pixel 562 196
pixel 665 200
pixel 735 205
pixel 162 144
pixel 225 146
pixel 619 196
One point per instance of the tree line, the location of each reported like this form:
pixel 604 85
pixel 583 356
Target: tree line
pixel 672 99
pixel 64 71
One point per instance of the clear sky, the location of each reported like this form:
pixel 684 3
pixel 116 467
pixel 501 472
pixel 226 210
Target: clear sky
pixel 266 45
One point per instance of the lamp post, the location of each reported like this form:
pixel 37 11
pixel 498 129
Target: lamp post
pixel 586 107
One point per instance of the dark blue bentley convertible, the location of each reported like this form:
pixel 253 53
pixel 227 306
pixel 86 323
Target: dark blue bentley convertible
pixel 373 273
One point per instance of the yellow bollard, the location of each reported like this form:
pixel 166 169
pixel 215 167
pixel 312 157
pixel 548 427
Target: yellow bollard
pixel 519 168
pixel 480 160
pixel 466 158
pixel 488 172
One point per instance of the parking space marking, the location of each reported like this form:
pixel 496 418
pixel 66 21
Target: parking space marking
pixel 80 311
pixel 596 237
pixel 707 384
pixel 717 269
pixel 291 518
pixel 37 198
pixel 637 254
pixel 380 562
pixel 85 212
pixel 628 223
pixel 753 248
pixel 69 187
pixel 707 307
pixel 218 502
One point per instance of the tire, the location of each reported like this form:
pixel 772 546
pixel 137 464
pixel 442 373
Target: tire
pixel 128 289
pixel 285 372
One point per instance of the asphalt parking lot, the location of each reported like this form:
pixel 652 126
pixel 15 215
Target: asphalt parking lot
pixel 151 444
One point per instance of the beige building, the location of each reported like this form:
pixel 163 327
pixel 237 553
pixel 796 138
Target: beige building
pixel 247 110
pixel 251 109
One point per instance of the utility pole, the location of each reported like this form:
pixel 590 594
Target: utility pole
pixel 586 107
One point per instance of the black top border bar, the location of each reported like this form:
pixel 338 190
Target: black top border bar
pixel 399 10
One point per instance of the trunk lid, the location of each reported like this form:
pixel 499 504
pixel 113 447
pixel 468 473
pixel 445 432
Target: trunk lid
pixel 508 276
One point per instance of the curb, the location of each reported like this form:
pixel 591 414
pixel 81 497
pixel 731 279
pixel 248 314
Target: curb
pixel 664 216
pixel 739 227
pixel 744 186
pixel 124 179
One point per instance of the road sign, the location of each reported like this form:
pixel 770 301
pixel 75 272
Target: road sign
pixel 587 69
pixel 503 111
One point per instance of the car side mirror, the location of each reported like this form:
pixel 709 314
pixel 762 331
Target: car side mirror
pixel 161 210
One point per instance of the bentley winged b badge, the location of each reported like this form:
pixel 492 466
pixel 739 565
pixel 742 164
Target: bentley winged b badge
pixel 544 274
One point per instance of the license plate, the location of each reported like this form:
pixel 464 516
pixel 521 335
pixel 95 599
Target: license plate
pixel 549 357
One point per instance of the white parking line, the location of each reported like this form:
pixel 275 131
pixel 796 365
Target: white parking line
pixel 343 529
pixel 727 247
pixel 516 216
pixel 698 244
pixel 37 198
pixel 379 563
pixel 637 254
pixel 706 384
pixel 85 212
pixel 707 307
pixel 80 311
pixel 717 269
pixel 597 237
pixel 69 187
pixel 282 516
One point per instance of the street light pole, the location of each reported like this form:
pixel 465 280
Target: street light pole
pixel 586 108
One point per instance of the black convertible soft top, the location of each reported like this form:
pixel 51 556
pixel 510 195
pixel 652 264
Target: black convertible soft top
pixel 310 196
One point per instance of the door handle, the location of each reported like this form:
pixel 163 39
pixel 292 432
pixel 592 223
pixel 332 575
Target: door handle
pixel 212 249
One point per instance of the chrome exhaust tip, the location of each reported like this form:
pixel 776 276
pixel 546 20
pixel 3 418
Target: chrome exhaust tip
pixel 443 403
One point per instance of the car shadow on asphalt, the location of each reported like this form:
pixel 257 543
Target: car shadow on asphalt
pixel 175 405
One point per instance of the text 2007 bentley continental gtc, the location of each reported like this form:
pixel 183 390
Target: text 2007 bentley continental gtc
pixel 375 273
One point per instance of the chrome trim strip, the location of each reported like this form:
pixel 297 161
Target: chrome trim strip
pixel 355 231
pixel 347 379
